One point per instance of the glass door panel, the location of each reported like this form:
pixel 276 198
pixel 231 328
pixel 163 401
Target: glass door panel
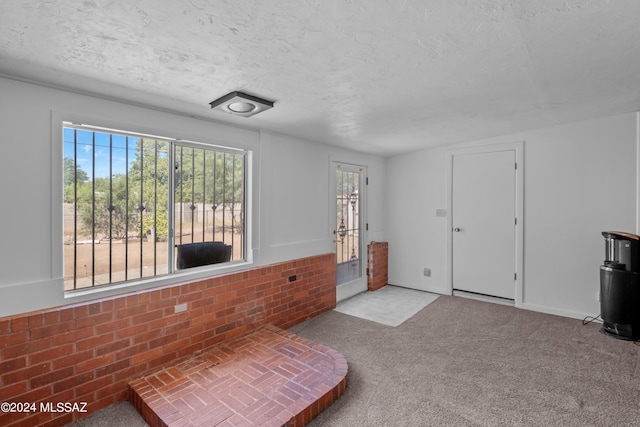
pixel 347 231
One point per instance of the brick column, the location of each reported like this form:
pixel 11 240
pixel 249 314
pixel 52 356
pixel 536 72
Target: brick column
pixel 377 265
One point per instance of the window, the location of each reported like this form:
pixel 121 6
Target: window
pixel 137 206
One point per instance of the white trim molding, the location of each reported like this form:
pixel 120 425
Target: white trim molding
pixel 518 148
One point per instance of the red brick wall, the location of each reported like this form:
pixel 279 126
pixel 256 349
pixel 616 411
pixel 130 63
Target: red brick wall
pixel 89 352
pixel 377 265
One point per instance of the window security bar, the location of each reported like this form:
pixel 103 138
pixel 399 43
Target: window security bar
pixel 125 207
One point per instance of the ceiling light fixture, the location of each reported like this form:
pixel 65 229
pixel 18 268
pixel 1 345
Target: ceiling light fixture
pixel 241 104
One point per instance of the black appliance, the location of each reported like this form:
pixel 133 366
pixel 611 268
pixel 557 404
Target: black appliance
pixel 620 286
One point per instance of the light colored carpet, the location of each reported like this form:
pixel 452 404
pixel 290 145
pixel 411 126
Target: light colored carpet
pixel 461 362
pixel 391 305
pixel 119 415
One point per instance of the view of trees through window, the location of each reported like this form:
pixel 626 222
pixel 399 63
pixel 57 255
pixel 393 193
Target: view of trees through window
pixel 125 215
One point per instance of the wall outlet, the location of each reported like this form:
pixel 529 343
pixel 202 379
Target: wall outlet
pixel 427 272
pixel 598 296
pixel 180 308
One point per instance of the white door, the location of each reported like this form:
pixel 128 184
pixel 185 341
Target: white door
pixel 348 231
pixel 484 223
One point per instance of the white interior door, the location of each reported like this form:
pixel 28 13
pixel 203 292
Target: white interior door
pixel 484 223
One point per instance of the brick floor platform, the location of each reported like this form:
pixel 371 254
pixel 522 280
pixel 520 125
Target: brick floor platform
pixel 269 377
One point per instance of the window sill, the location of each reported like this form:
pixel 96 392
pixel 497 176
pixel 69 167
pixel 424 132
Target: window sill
pixel 177 277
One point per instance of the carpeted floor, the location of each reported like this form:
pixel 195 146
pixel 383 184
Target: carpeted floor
pixel 120 415
pixel 460 362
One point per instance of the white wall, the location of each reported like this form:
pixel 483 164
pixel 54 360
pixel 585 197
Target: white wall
pixel 294 208
pixel 415 189
pixel 290 198
pixel 580 179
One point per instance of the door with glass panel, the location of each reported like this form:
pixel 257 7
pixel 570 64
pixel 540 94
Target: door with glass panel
pixel 348 232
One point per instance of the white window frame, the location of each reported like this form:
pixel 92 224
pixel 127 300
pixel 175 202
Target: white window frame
pixel 174 276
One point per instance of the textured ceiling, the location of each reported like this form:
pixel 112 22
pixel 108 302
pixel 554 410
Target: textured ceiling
pixel 380 76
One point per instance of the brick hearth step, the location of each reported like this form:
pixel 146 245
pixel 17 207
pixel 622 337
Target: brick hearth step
pixel 268 377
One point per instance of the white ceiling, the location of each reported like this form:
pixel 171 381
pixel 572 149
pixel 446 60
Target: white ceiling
pixel 380 76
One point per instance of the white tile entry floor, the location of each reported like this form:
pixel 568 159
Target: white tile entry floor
pixel 391 305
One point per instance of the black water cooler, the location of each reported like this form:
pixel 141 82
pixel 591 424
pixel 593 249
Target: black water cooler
pixel 620 286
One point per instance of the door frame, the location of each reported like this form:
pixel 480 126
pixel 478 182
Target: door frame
pixel 518 148
pixel 349 289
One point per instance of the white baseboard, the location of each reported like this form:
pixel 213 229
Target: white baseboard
pixel 485 298
pixel 433 289
pixel 525 306
pixel 557 311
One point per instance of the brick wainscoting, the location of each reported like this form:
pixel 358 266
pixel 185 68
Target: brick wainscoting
pixel 89 352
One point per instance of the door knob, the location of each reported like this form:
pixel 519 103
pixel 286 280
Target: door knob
pixel 457 230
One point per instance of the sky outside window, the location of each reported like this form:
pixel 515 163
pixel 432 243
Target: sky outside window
pixel 118 151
